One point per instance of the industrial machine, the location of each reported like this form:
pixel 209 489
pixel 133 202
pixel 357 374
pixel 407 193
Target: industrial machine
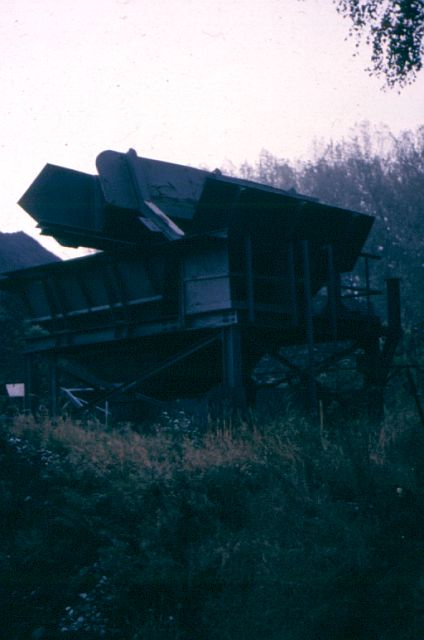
pixel 198 277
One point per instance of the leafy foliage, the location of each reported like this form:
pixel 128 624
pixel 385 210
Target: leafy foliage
pixel 376 173
pixel 395 29
pixel 271 529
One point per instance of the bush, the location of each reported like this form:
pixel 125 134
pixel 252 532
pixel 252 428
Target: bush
pixel 276 529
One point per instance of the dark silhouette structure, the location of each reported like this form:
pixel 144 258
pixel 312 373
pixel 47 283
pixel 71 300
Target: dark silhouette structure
pixel 198 278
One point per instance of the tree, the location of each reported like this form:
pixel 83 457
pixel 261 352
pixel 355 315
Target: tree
pixel 376 173
pixel 395 31
pixel 387 183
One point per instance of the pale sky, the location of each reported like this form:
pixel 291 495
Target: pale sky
pixel 198 82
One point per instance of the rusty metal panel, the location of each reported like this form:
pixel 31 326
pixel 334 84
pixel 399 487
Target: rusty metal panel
pixel 174 188
pixel 207 279
pixel 139 201
pixel 87 285
pixel 63 196
pixel 37 299
pixel 275 217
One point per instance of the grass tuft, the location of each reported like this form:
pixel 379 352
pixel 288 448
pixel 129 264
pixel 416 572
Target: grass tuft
pixel 276 528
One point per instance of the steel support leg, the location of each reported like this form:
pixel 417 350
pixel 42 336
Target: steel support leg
pixel 309 327
pixel 393 306
pixel 249 279
pixel 28 382
pixel 333 301
pixel 53 387
pixel 374 393
pixel 233 366
pixel 291 269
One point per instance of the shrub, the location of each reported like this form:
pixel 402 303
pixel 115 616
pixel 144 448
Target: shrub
pixel 275 529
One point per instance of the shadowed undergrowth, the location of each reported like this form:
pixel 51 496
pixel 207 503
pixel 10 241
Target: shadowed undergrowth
pixel 263 529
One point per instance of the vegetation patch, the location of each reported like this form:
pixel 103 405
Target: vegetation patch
pixel 270 528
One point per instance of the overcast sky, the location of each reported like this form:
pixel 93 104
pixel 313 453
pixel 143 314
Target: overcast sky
pixel 198 82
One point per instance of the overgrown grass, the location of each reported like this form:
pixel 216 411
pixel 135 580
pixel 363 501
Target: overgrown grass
pixel 277 529
pixel 165 450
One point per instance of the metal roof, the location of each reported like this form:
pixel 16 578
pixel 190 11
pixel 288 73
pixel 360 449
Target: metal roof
pixel 137 201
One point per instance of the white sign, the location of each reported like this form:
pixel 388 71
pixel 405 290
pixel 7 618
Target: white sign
pixel 16 390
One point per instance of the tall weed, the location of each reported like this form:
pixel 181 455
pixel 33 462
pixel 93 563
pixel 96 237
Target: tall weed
pixel 276 528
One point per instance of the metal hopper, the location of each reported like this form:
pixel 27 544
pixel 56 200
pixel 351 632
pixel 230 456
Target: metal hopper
pixel 199 276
